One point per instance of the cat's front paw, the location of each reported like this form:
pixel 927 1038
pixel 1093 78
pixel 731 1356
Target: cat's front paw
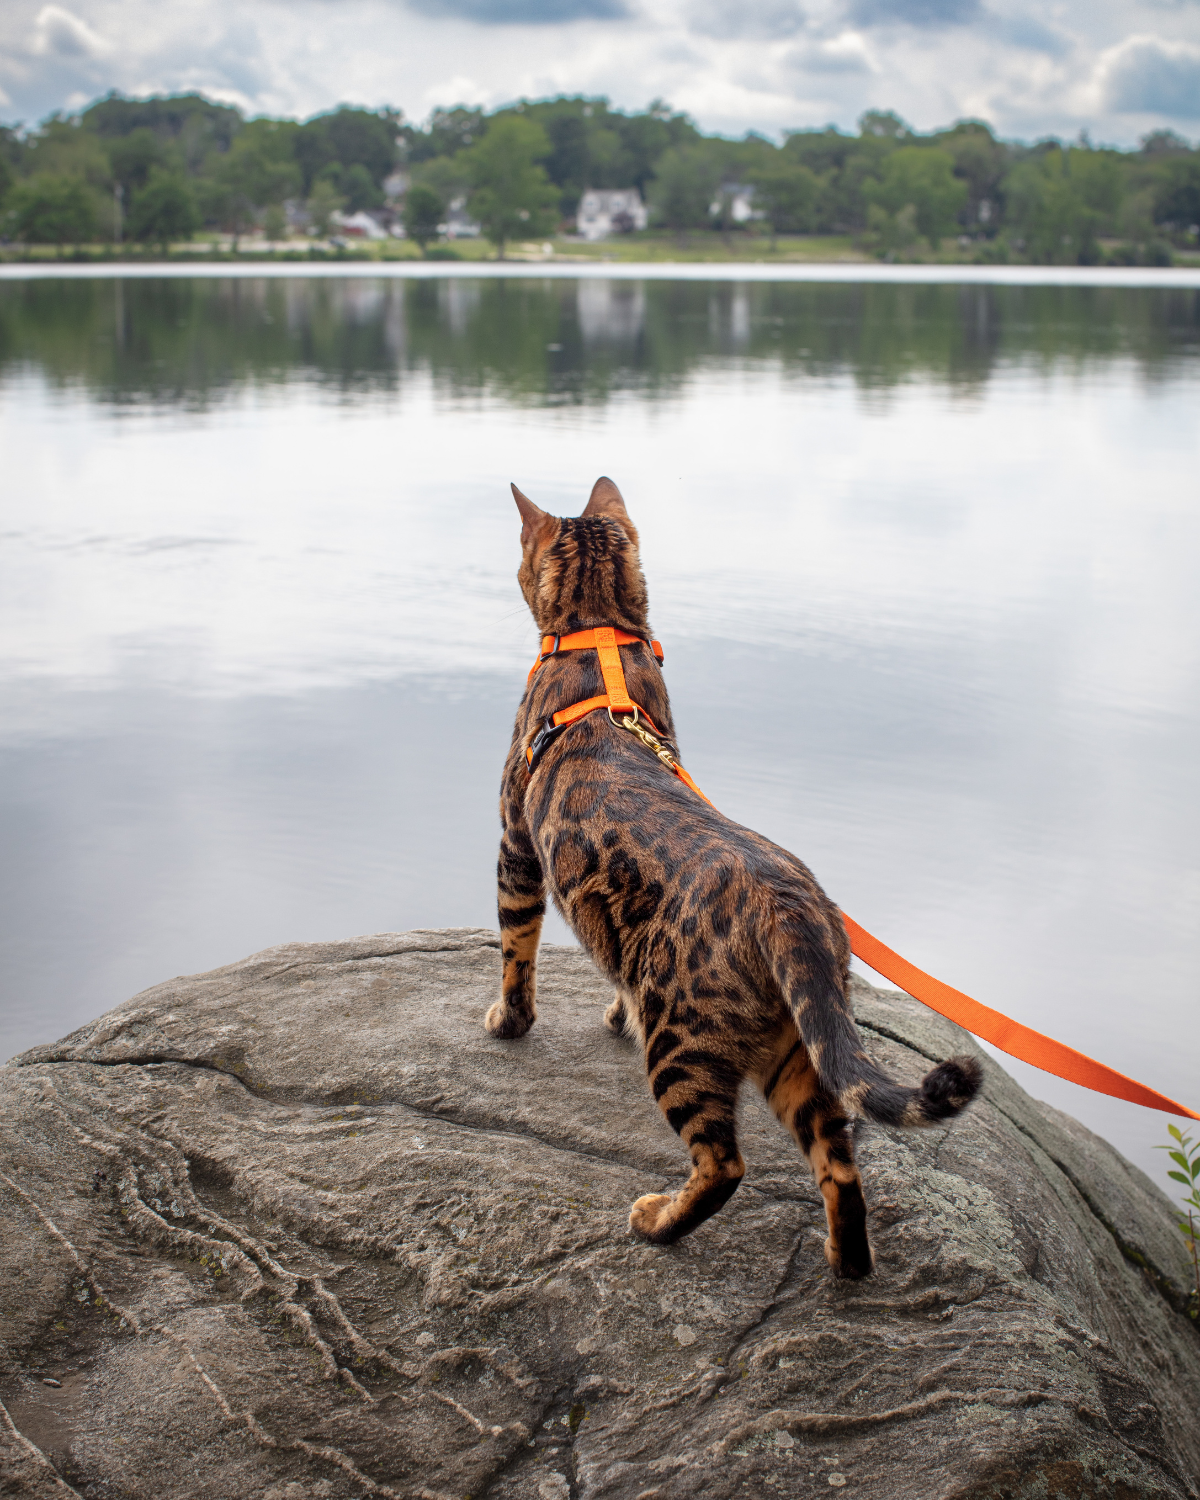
pixel 851 1260
pixel 505 1022
pixel 650 1219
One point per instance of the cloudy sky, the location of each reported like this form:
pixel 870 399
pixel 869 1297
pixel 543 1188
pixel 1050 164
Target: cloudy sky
pixel 1116 68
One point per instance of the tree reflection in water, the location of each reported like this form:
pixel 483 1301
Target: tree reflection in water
pixel 193 342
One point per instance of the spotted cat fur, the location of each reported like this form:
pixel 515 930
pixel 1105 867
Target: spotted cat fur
pixel 729 960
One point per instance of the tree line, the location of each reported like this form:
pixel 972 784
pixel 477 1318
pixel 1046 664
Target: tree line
pixel 158 170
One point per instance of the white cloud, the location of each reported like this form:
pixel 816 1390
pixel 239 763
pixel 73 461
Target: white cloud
pixel 764 20
pixel 58 33
pixel 1108 66
pixel 847 53
pixel 925 13
pixel 1027 33
pixel 457 90
pixel 1146 75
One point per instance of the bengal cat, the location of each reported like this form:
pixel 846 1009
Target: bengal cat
pixel 729 960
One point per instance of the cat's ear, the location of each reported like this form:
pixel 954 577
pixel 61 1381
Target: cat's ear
pixel 532 517
pixel 605 500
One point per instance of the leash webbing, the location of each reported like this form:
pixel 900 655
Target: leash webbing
pixel 1002 1031
pixel 991 1025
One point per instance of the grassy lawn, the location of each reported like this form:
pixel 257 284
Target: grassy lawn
pixel 705 245
pixel 649 246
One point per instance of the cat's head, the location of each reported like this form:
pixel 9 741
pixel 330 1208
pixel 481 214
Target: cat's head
pixel 578 572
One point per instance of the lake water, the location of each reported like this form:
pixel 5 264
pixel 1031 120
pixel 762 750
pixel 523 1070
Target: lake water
pixel 923 558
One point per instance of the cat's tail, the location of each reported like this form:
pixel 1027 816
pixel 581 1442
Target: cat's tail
pixel 809 952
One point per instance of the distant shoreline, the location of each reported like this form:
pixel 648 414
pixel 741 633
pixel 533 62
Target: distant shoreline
pixel 1178 278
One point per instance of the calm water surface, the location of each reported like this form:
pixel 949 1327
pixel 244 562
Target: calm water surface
pixel 924 560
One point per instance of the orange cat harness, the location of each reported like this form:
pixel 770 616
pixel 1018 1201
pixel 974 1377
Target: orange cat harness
pixel 1010 1036
pixel 604 641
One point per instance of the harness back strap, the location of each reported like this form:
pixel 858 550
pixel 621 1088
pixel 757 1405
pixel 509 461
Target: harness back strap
pixel 619 700
pixel 1010 1036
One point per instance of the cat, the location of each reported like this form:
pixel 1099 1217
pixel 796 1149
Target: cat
pixel 729 960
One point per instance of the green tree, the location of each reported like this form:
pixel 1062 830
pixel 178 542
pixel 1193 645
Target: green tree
pixel 447 176
pixel 893 233
pixel 981 162
pixel 1177 193
pixel 348 137
pixel 256 171
pixel 197 125
pixel 1047 213
pixel 62 149
pixel 845 164
pixel 1096 177
pixel 511 194
pixel 423 212
pixel 449 132
pixel 12 151
pixel 133 157
pixel 164 210
pixel 359 188
pixel 645 136
pixel 50 210
pixel 323 202
pixel 685 183
pixel 884 124
pixel 921 178
pixel 593 146
pixel 788 193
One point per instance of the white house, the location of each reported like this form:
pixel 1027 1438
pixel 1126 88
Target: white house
pixel 605 211
pixel 459 225
pixel 737 200
pixel 359 226
pixel 395 185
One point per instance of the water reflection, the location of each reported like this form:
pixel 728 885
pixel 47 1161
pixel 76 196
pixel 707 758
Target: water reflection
pixel 192 342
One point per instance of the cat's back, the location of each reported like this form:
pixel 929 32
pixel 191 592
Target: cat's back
pixel 605 813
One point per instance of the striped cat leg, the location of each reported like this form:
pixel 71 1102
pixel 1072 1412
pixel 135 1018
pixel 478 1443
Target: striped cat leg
pixel 823 1132
pixel 697 1091
pixel 522 904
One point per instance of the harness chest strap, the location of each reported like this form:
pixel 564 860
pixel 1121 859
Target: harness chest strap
pixel 991 1025
pixel 605 641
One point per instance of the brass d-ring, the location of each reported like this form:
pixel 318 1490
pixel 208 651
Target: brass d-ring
pixel 621 726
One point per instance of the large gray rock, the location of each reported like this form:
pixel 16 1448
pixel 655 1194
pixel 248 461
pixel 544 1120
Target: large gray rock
pixel 299 1227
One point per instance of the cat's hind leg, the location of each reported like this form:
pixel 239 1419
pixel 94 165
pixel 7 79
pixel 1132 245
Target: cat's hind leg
pixel 697 1091
pixel 824 1133
pixel 521 892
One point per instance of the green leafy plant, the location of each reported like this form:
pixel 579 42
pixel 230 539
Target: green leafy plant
pixel 1186 1156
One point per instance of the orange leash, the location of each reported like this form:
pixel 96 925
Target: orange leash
pixel 1003 1032
pixel 1010 1036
